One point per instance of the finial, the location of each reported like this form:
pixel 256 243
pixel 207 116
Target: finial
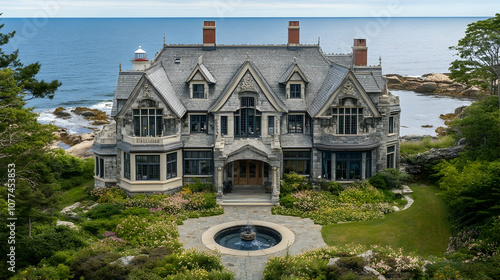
pixel 164 39
pixel 379 60
pixel 120 66
pixel 295 59
pixel 248 56
pixel 319 40
pixel 200 60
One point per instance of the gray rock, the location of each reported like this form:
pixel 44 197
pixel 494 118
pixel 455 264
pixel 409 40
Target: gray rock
pixel 370 270
pixel 69 210
pixel 333 261
pixel 125 260
pixel 367 255
pixel 427 87
pixel 66 224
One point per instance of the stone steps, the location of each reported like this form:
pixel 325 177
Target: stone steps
pixel 246 202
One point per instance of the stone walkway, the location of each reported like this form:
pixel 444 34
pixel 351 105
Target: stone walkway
pixel 307 237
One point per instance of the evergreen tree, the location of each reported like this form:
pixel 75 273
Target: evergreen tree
pixel 479 53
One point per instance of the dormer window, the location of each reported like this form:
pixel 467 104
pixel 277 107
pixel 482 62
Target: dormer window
pixel 198 91
pixel 295 91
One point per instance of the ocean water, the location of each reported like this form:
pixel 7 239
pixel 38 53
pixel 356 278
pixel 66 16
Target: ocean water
pixel 85 53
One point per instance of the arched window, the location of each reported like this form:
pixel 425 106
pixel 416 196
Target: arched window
pixel 247 120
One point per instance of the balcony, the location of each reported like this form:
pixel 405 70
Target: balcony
pixel 152 140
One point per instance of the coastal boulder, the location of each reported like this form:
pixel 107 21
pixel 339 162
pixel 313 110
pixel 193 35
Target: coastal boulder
pixel 98 117
pixel 427 87
pixel 437 78
pixel 60 112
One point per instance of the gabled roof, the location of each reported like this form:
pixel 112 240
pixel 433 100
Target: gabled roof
pixel 203 70
pixel 335 77
pixel 294 68
pixel 161 83
pixel 261 82
pixel 127 81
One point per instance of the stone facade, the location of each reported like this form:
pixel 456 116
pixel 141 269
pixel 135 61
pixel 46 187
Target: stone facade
pixel 247 115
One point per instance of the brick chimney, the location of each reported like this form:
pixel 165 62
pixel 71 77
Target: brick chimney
pixel 209 35
pixel 360 52
pixel 293 34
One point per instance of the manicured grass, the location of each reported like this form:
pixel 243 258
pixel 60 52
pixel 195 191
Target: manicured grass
pixel 424 227
pixel 73 195
pixel 413 148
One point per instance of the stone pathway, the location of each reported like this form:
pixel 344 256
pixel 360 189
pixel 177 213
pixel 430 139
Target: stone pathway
pixel 307 237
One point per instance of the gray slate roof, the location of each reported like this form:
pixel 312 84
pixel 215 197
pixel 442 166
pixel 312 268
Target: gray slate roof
pixel 272 63
pixel 161 83
pixel 335 76
pixel 127 81
pixel 103 150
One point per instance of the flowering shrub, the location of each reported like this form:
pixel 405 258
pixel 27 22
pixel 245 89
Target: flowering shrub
pixel 109 195
pixel 313 264
pixel 112 240
pixel 153 231
pixel 185 265
pixel 59 272
pixel 355 203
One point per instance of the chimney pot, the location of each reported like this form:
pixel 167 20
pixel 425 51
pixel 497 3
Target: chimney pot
pixel 360 52
pixel 293 34
pixel 209 35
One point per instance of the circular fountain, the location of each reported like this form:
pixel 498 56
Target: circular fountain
pixel 250 239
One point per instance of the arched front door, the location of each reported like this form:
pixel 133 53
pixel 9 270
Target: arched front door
pixel 248 172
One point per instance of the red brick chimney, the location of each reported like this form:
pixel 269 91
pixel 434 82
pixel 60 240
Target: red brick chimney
pixel 209 35
pixel 293 34
pixel 360 52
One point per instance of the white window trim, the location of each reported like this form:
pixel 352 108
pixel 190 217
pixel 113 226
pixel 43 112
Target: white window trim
pixel 198 83
pixel 302 89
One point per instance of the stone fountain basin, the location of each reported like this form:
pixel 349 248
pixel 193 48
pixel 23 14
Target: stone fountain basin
pixel 287 238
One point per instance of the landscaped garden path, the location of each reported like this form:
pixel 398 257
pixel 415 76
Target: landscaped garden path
pixel 307 236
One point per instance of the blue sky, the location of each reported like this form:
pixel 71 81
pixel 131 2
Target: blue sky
pixel 246 8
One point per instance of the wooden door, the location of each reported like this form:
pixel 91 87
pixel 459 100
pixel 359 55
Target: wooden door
pixel 248 172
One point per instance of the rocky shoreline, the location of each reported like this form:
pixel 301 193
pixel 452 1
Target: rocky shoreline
pixel 80 143
pixel 433 83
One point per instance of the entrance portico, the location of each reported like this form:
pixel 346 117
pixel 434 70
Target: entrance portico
pixel 249 166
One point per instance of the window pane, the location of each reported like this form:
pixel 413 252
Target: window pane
pixel 270 125
pixel 136 112
pixel 223 125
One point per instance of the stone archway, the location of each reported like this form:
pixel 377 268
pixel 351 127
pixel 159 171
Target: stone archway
pixel 250 162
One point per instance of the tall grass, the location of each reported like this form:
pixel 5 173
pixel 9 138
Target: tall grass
pixel 413 148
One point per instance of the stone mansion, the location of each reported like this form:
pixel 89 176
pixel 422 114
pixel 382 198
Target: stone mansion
pixel 247 114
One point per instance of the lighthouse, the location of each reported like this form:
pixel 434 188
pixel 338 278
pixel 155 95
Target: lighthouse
pixel 140 62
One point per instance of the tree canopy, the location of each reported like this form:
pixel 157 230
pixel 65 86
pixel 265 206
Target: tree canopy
pixel 478 52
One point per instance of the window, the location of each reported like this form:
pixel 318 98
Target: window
pixel 295 123
pixel 172 165
pixel 270 125
pixel 99 167
pixel 148 122
pixel 368 173
pixel 198 163
pixel 198 91
pixel 247 120
pixel 347 119
pixel 295 91
pixel 326 165
pixel 126 165
pixel 147 167
pixel 391 125
pixel 199 123
pixel 391 152
pixel 223 125
pixel 348 166
pixel 297 161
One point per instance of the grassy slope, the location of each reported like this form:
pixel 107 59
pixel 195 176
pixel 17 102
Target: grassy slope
pixel 73 195
pixel 423 227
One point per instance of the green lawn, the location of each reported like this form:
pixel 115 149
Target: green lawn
pixel 423 227
pixel 73 195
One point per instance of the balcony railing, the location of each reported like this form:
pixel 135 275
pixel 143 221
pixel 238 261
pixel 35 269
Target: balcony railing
pixel 151 140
